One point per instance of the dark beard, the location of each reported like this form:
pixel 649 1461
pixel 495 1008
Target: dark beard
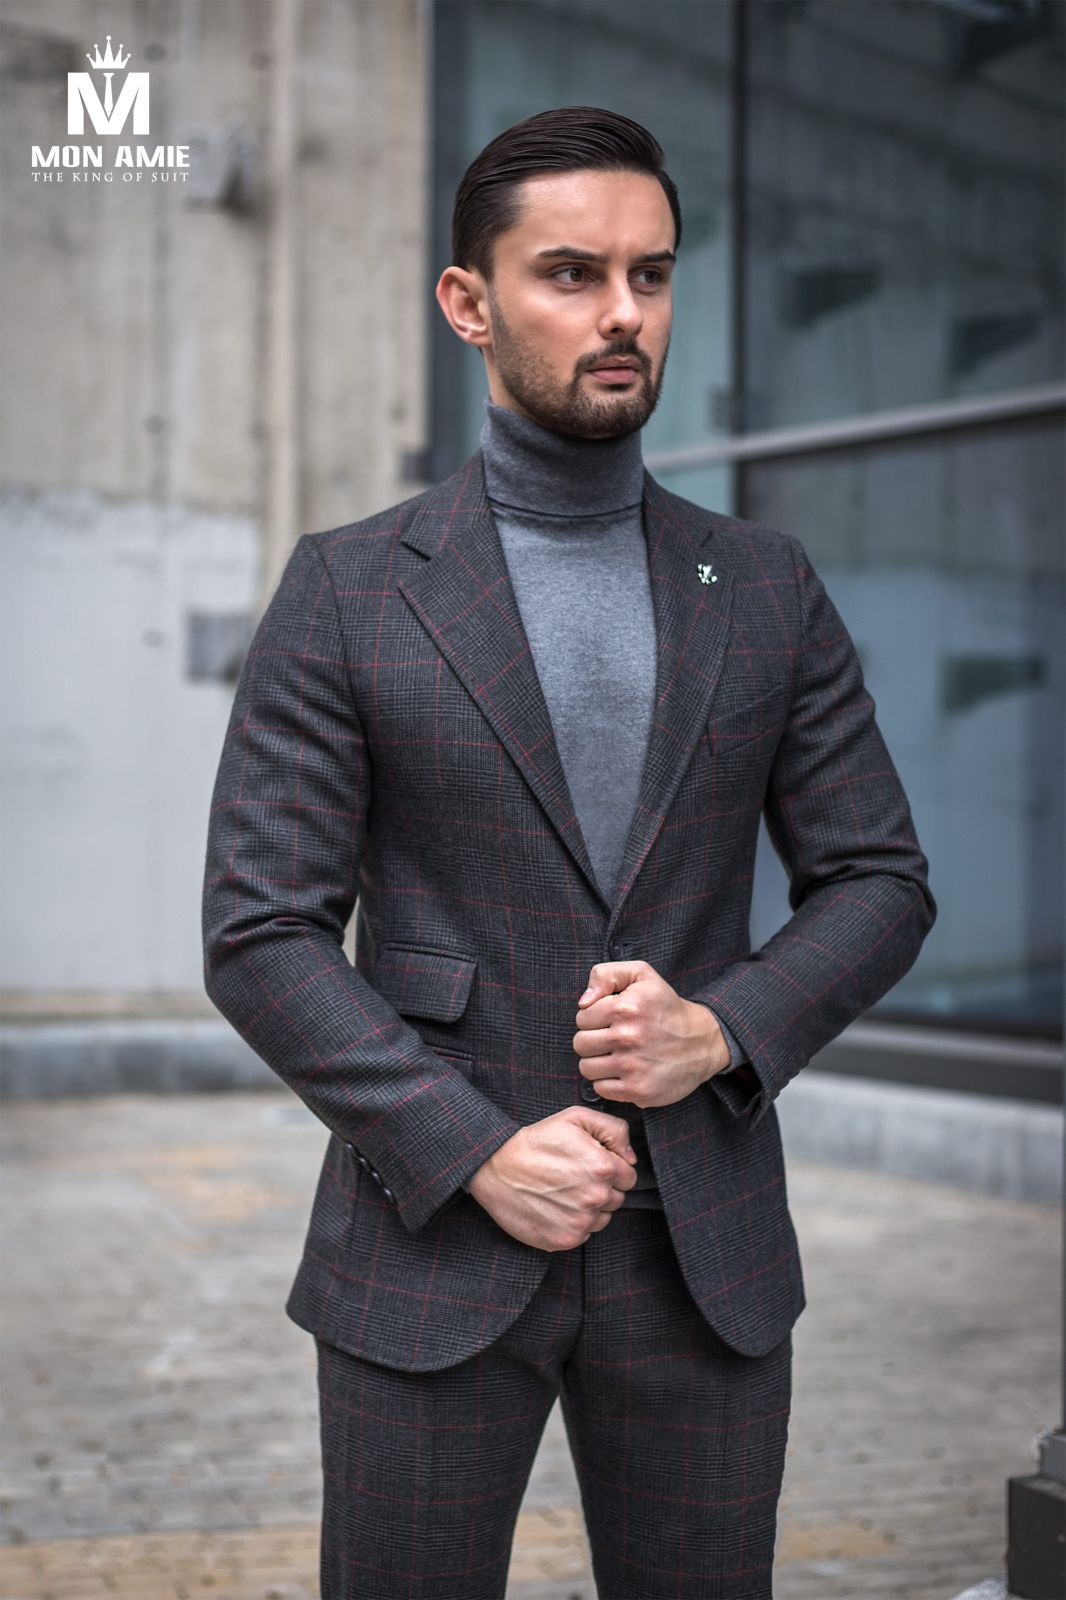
pixel 572 410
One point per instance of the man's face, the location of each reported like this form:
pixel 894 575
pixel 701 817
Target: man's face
pixel 584 277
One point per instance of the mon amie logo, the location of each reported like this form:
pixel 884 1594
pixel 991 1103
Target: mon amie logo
pixel 85 163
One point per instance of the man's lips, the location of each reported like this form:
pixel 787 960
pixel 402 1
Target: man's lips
pixel 615 372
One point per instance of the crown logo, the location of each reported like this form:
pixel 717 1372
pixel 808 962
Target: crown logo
pixel 108 62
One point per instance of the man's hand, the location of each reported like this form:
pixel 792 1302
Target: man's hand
pixel 640 1041
pixel 557 1181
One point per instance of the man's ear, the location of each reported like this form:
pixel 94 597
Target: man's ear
pixel 463 298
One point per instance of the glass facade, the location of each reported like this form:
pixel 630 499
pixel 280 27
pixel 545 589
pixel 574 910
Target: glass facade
pixel 873 208
pixel 945 557
pixel 900 184
pixel 903 174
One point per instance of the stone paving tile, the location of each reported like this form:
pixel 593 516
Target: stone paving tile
pixel 276 1563
pixel 160 1417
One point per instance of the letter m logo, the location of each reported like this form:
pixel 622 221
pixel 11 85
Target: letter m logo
pixel 82 97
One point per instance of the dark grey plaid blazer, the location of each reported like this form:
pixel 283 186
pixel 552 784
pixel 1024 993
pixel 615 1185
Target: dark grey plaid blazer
pixel 390 744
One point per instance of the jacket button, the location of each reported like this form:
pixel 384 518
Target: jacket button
pixel 589 1092
pixel 388 1194
pixel 617 949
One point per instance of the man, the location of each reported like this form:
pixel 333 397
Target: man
pixel 529 721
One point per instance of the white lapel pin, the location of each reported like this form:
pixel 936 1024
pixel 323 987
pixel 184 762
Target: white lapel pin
pixel 707 572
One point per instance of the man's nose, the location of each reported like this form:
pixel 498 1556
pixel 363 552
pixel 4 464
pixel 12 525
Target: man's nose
pixel 622 313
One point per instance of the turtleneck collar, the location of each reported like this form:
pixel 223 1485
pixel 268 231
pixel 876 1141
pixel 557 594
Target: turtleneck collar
pixel 533 469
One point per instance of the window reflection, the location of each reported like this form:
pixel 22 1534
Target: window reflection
pixel 945 558
pixel 904 238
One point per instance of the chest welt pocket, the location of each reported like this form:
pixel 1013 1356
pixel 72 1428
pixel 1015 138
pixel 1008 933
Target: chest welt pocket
pixel 746 723
pixel 431 984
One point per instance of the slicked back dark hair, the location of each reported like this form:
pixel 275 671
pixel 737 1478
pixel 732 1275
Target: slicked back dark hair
pixel 569 139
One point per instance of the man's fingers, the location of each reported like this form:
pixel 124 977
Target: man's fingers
pixel 610 977
pixel 591 1046
pixel 613 1204
pixel 624 1179
pixel 598 1010
pixel 612 1132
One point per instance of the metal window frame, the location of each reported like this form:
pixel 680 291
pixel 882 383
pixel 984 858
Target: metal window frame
pixel 874 428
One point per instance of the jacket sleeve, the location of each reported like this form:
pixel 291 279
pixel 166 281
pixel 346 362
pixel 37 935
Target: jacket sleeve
pixel 839 820
pixel 285 837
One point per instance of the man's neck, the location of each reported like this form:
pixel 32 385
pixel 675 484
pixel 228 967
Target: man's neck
pixel 531 468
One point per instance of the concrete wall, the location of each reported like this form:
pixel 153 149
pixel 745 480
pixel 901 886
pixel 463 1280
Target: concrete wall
pixel 193 375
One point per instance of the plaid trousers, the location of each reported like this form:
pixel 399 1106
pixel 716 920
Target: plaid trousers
pixel 678 1441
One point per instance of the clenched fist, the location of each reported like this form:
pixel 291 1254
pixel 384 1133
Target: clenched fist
pixel 556 1182
pixel 640 1041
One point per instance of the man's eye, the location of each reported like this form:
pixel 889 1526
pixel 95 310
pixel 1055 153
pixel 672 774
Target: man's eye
pixel 653 273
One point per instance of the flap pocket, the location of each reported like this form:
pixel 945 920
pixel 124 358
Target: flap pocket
pixel 424 983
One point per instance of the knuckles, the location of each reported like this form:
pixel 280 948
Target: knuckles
pixel 569 1240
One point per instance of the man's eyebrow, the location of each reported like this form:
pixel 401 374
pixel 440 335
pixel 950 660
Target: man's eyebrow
pixel 574 254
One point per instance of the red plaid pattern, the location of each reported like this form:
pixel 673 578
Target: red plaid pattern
pixel 390 750
pixel 678 1442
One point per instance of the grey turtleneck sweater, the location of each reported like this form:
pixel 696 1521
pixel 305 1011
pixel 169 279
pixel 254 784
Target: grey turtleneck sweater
pixel 570 521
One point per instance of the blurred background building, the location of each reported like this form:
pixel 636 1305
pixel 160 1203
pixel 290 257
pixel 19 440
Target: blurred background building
pixel 868 351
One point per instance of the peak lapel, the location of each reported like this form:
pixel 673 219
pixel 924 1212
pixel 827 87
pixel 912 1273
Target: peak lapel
pixel 463 596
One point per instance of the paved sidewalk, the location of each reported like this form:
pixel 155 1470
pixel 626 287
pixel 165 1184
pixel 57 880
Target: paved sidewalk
pixel 160 1412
